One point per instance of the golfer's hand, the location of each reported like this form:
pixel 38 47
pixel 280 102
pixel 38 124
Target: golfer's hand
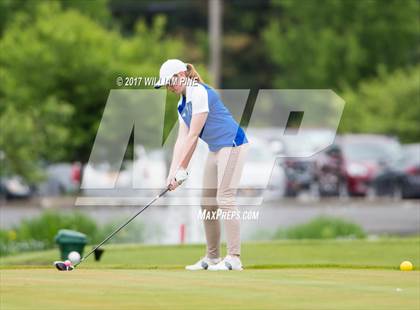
pixel 180 176
pixel 170 182
pixel 173 184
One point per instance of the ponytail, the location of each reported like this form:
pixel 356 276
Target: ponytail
pixel 193 74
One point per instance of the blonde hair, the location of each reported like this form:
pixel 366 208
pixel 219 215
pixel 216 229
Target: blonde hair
pixel 193 74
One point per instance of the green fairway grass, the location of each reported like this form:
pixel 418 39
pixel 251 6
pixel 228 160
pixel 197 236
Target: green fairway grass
pixel 385 253
pixel 340 274
pixel 174 289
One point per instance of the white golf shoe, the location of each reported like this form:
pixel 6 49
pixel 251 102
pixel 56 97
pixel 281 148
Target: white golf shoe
pixel 228 263
pixel 203 264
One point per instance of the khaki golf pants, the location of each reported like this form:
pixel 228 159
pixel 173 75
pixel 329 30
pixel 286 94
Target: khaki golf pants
pixel 222 174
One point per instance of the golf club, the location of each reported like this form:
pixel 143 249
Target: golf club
pixel 62 266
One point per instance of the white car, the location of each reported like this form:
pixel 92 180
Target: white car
pixel 262 174
pixel 146 171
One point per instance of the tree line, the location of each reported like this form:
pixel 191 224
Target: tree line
pixel 59 59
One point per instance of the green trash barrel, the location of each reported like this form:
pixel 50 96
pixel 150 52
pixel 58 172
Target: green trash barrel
pixel 70 240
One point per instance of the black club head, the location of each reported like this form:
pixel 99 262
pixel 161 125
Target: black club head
pixel 62 266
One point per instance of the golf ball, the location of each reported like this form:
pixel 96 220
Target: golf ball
pixel 67 263
pixel 74 257
pixel 406 266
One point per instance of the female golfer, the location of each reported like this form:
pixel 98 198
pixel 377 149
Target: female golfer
pixel 203 115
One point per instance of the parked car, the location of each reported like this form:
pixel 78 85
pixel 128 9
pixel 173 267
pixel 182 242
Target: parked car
pixel 61 178
pixel 365 156
pixel 330 172
pixel 14 187
pixel 262 174
pixel 402 177
pixel 301 170
pixel 299 174
pixel 147 171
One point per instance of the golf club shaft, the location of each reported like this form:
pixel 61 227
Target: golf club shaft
pixel 122 226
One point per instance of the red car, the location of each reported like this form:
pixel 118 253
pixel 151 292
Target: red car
pixel 364 157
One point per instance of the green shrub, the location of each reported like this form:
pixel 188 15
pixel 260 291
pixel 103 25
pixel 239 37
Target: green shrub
pixel 20 246
pixel 10 245
pixel 45 227
pixel 38 233
pixel 322 228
